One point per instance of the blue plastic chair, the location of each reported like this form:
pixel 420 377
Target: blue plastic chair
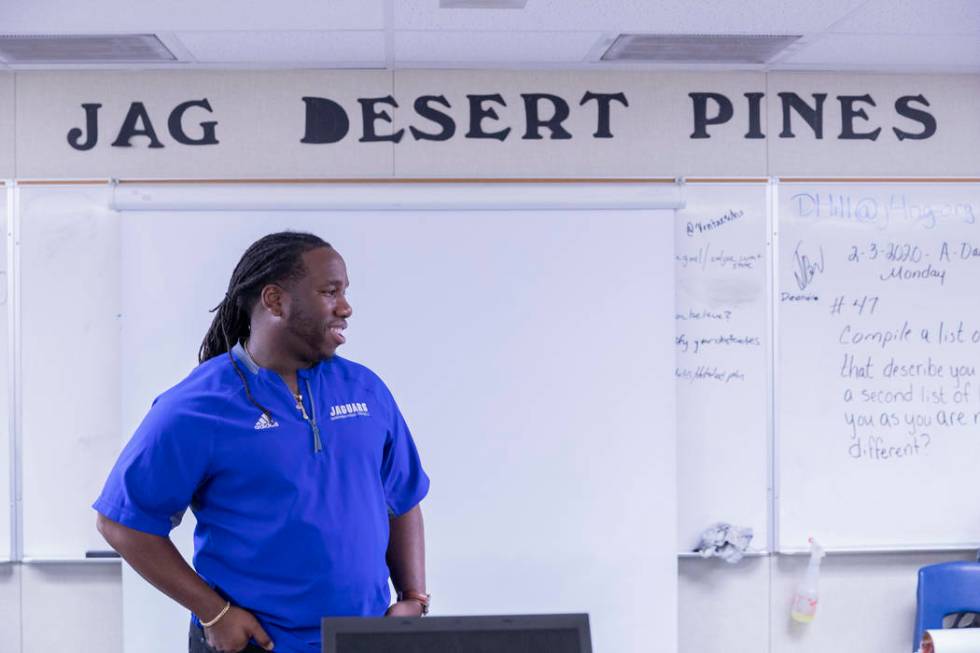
pixel 945 589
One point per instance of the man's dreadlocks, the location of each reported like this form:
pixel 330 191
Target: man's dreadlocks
pixel 275 258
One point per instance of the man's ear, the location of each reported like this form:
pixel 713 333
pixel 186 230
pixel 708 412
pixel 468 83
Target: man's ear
pixel 274 299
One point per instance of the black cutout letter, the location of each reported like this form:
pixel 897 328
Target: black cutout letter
pixel 369 114
pixel 701 119
pixel 848 114
pixel 177 128
pixel 326 121
pixel 478 112
pixel 444 120
pixel 137 114
pixel 755 115
pixel 534 123
pixel 924 117
pixel 602 101
pixel 812 115
pixel 91 126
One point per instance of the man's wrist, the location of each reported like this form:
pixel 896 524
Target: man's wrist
pixel 224 610
pixel 421 598
pixel 207 607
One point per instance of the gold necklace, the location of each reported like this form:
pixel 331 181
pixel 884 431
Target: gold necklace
pixel 299 405
pixel 296 395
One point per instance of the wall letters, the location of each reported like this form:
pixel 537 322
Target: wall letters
pixel 535 116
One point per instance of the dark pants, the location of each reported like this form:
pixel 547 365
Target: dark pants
pixel 196 643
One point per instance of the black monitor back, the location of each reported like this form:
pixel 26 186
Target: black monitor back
pixel 552 633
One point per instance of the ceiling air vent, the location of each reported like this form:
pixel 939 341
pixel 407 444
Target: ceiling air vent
pixel 697 48
pixel 482 4
pixel 77 48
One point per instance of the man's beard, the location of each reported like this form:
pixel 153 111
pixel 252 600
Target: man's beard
pixel 312 337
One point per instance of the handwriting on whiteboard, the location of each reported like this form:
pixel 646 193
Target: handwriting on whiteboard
pixel 881 211
pixel 806 267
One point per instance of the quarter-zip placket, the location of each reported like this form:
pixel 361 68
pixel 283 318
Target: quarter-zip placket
pixel 310 418
pixel 317 444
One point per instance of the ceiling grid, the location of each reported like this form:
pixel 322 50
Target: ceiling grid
pixel 845 35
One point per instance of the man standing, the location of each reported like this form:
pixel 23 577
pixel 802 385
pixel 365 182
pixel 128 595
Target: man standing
pixel 297 463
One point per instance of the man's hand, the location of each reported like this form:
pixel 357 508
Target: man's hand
pixel 407 608
pixel 232 632
pixel 158 560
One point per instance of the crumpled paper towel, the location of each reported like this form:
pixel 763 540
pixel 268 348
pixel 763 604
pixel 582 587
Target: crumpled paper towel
pixel 724 540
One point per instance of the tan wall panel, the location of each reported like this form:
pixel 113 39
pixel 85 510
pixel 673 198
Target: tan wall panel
pixel 954 150
pixel 261 120
pixel 650 137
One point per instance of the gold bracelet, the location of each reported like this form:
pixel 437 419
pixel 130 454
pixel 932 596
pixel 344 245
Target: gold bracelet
pixel 220 614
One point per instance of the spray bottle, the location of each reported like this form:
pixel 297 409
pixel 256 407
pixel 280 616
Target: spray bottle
pixel 805 601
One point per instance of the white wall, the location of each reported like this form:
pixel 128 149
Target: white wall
pixel 867 604
pixel 60 607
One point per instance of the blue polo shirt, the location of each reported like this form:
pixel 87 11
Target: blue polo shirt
pixel 292 520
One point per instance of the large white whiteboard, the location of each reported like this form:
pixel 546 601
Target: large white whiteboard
pixel 6 433
pixel 722 319
pixel 527 351
pixel 879 344
pixel 68 276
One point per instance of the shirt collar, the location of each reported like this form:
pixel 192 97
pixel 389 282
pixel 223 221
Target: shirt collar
pixel 242 354
pixel 239 351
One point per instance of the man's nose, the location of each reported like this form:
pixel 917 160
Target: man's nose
pixel 344 309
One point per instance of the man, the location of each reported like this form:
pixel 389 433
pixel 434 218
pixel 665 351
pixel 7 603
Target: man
pixel 297 463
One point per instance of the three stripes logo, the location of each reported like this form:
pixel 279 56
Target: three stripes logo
pixel 265 422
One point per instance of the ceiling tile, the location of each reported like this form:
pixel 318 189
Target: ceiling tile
pixel 668 16
pixel 71 16
pixel 851 51
pixel 351 47
pixel 914 17
pixel 493 47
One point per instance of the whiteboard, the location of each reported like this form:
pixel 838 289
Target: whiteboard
pixel 878 419
pixel 68 248
pixel 722 360
pixel 6 433
pixel 526 349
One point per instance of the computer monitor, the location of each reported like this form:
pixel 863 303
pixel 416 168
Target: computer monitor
pixel 546 633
